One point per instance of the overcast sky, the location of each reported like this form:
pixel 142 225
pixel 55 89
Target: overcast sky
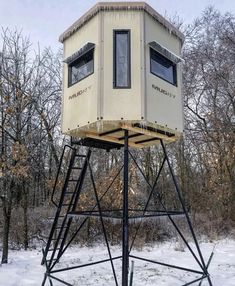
pixel 44 20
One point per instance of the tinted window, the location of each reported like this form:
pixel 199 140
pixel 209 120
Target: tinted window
pixel 122 59
pixel 81 68
pixel 162 67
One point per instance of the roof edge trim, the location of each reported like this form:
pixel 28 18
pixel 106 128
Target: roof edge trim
pixel 120 6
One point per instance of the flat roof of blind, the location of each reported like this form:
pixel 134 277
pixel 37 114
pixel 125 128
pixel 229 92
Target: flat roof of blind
pixel 120 6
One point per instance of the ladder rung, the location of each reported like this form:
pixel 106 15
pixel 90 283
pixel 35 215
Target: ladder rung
pixel 59 227
pixel 54 259
pixel 81 156
pixel 72 180
pixel 77 168
pixel 61 216
pixel 51 249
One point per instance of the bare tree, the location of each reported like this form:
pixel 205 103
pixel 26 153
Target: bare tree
pixel 209 84
pixel 30 112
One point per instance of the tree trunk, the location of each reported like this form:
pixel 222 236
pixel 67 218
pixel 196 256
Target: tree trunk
pixel 7 208
pixel 25 218
pixel 6 230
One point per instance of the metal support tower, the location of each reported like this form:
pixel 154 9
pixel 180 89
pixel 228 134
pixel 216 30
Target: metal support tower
pixel 62 235
pixel 125 230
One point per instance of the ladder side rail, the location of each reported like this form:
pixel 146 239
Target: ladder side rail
pixel 54 203
pixel 58 211
pixel 59 207
pixel 58 173
pixel 81 180
pixel 79 184
pixel 73 204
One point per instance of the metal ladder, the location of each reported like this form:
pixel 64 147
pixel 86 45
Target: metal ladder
pixel 67 203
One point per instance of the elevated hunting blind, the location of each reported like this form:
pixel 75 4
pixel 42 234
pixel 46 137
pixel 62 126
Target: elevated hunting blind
pixel 122 71
pixel 122 87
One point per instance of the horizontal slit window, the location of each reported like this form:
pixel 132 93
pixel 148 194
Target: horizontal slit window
pixel 81 68
pixel 162 67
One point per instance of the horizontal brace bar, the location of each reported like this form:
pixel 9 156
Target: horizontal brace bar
pixel 131 136
pixel 96 211
pixel 146 140
pixel 94 215
pixel 168 265
pixel 84 265
pixel 130 210
pixel 151 132
pixel 155 215
pixel 154 211
pixel 110 138
pixel 130 217
pixel 149 128
pixel 111 131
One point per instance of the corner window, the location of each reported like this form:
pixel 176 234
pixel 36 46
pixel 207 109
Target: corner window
pixel 81 68
pixel 122 66
pixel 162 67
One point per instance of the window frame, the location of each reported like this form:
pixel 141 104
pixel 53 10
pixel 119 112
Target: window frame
pixel 174 65
pixel 75 61
pixel 128 32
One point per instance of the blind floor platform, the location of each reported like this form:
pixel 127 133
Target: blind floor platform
pixel 110 136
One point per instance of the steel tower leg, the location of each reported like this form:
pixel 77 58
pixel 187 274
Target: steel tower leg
pixel 125 229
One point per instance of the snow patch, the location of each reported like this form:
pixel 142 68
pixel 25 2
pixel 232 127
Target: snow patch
pixel 24 268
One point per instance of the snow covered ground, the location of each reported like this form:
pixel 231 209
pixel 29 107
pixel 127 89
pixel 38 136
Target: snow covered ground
pixel 24 267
